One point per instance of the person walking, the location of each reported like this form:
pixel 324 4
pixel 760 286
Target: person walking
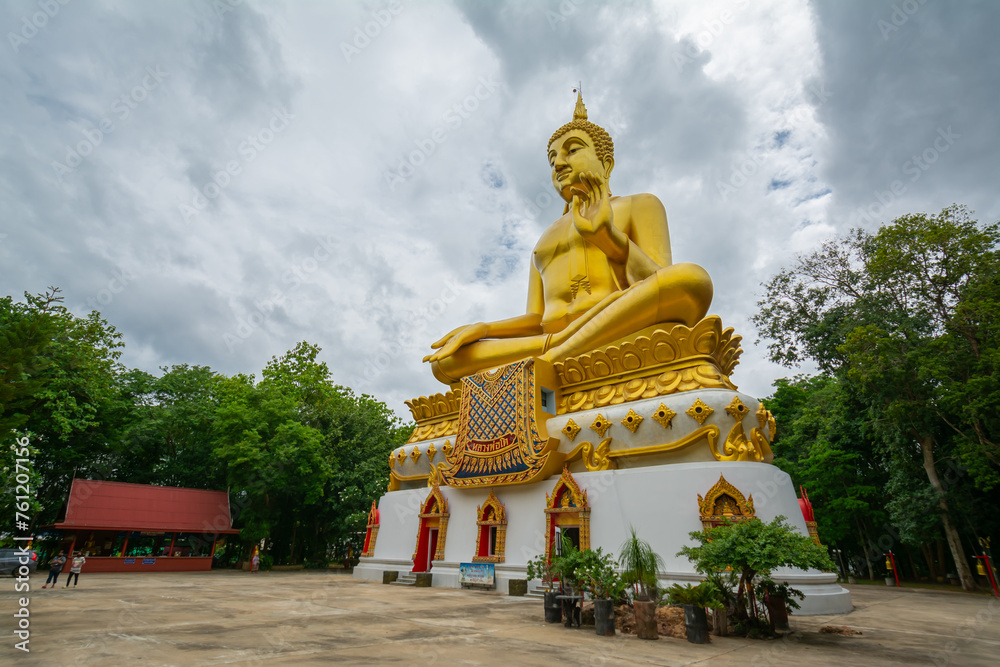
pixel 55 567
pixel 255 562
pixel 74 570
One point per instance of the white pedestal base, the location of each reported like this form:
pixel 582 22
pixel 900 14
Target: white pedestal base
pixel 660 501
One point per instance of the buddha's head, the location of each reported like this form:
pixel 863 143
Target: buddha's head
pixel 577 147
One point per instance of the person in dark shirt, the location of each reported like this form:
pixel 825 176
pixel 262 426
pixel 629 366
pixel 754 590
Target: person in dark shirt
pixel 55 567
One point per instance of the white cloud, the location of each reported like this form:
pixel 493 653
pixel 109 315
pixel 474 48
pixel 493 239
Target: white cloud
pixel 804 111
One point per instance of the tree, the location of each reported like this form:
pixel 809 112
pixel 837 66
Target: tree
pixel 61 378
pixel 905 317
pixel 825 443
pixel 751 549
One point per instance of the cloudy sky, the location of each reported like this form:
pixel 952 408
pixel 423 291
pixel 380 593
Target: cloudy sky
pixel 224 178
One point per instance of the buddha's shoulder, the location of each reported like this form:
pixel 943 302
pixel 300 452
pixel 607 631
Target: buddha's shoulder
pixel 640 207
pixel 642 199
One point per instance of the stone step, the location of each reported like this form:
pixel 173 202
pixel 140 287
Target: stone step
pixel 408 579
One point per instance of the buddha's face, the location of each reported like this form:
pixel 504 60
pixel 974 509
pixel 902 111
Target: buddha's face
pixel 571 155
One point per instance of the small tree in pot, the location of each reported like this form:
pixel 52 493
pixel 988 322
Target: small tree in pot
pixel 605 586
pixel 695 600
pixel 640 565
pixel 544 569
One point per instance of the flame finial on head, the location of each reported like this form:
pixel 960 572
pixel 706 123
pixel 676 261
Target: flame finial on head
pixel 580 113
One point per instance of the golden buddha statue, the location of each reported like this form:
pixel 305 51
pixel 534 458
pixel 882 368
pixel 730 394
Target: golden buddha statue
pixel 600 272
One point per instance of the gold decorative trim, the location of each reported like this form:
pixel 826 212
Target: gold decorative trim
pixel 395 479
pixel 433 431
pixel 600 425
pixel 664 416
pixel 571 430
pixel 632 420
pixel 738 448
pixel 659 360
pixel 431 451
pixel 710 433
pixel 437 407
pixel 415 454
pixel 392 460
pixel 593 458
pixel 401 456
pixel 713 513
pixel 699 411
pixel 762 416
pixel 736 409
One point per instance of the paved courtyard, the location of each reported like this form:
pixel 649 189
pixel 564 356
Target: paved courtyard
pixel 311 618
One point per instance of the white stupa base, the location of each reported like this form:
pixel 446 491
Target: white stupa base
pixel 660 501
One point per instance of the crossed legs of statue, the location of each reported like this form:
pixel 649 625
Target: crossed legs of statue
pixel 677 293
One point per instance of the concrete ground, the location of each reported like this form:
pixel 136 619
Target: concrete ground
pixel 310 618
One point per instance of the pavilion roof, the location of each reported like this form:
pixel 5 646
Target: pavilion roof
pixel 101 505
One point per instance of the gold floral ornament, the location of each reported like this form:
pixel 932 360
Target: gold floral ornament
pixel 632 420
pixel 401 456
pixel 736 409
pixel 392 460
pixel 415 454
pixel 699 411
pixel 664 415
pixel 762 416
pixel 431 451
pixel 570 430
pixel 600 425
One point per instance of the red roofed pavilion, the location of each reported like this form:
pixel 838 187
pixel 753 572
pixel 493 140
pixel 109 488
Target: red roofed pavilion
pixel 141 528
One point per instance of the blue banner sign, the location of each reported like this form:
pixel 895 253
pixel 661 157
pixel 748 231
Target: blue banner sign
pixel 148 561
pixel 130 561
pixel 476 573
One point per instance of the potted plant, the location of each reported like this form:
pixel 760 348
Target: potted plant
pixel 778 598
pixel 753 549
pixel 543 568
pixel 605 586
pixel 569 569
pixel 640 565
pixel 695 600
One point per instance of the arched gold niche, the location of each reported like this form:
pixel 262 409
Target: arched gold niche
pixel 372 533
pixel 491 516
pixel 724 501
pixel 432 531
pixel 567 507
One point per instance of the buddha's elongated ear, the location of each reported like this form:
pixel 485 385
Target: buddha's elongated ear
pixel 609 165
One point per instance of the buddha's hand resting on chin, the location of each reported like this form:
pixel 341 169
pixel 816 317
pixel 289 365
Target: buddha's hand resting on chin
pixel 594 218
pixel 453 340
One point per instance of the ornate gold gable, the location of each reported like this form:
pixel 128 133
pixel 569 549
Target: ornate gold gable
pixel 372 532
pixel 566 507
pixel 724 501
pixel 491 513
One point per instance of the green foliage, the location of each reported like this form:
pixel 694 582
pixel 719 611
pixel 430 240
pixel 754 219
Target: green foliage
pixel 543 569
pixel 906 319
pixel 303 457
pixel 569 565
pixel 751 549
pixel 640 565
pixel 704 594
pixel 599 575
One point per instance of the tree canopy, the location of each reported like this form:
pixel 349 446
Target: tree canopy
pixel 301 456
pixel 903 323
